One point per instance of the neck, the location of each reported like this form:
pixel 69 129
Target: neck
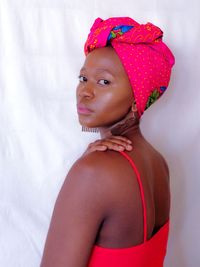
pixel 128 127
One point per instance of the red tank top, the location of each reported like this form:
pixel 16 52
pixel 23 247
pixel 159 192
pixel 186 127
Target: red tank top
pixel 150 253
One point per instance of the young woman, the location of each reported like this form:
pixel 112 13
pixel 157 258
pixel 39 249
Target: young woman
pixel 113 208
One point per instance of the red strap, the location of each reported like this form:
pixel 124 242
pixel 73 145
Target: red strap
pixel 141 191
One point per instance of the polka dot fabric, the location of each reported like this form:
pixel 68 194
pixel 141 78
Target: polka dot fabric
pixel 146 59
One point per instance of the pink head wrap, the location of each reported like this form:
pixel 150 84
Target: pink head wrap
pixel 146 59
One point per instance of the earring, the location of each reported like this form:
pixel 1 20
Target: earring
pixel 87 129
pixel 134 110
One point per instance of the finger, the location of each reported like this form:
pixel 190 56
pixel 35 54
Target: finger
pixel 116 143
pixel 98 148
pixel 123 138
pixel 113 142
pixel 110 146
pixel 93 144
pixel 117 146
pixel 101 148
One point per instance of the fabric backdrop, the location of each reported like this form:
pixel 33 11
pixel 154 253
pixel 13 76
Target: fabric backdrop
pixel 41 52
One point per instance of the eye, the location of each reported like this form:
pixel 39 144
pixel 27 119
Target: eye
pixel 82 78
pixel 105 82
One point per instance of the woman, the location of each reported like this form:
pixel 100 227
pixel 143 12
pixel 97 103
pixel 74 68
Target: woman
pixel 113 208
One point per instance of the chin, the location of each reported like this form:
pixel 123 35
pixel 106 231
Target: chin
pixel 86 123
pixel 93 123
pixel 89 126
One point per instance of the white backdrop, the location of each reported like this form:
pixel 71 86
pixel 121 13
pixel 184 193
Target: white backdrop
pixel 41 52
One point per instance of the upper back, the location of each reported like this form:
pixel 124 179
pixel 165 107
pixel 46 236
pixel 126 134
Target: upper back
pixel 123 227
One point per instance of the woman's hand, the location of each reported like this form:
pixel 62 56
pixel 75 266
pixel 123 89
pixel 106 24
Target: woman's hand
pixel 117 143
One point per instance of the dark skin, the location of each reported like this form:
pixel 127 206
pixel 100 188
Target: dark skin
pixel 100 202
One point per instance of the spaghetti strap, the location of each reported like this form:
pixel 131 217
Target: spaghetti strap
pixel 141 192
pixel 150 253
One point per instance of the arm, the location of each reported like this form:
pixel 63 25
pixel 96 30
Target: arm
pixel 79 210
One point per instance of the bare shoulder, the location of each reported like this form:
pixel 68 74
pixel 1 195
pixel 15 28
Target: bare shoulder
pixel 95 167
pixel 83 203
pixel 95 174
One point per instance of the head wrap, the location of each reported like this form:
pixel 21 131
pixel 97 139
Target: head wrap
pixel 146 59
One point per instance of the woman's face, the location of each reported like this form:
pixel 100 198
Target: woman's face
pixel 104 89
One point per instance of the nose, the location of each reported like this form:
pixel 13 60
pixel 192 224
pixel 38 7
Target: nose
pixel 85 90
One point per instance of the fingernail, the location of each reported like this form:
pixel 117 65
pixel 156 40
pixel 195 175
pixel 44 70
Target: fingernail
pixel 129 147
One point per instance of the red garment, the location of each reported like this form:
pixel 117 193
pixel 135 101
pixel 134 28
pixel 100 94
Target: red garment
pixel 150 253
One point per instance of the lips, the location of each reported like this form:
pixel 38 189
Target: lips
pixel 83 109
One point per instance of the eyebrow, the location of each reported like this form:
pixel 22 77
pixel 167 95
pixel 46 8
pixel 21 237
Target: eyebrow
pixel 99 70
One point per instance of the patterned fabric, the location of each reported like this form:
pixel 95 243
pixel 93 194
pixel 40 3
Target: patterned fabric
pixel 145 57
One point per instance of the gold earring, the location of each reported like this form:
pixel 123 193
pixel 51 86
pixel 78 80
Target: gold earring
pixel 134 110
pixel 134 106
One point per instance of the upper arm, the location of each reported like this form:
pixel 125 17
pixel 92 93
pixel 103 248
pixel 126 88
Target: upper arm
pixel 80 208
